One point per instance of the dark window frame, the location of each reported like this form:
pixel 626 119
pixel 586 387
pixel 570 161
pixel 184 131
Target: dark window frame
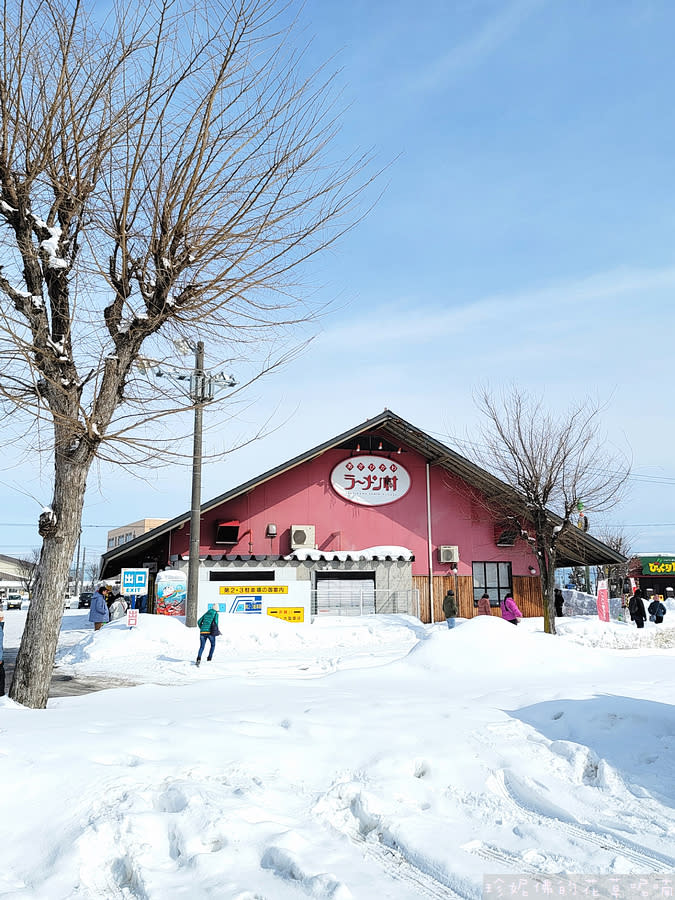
pixel 227 533
pixel 497 589
pixel 241 575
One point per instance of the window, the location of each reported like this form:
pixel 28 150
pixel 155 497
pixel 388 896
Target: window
pixel 227 532
pixel 240 575
pixel 111 542
pixel 492 578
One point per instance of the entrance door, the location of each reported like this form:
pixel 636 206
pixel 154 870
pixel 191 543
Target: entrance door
pixel 345 596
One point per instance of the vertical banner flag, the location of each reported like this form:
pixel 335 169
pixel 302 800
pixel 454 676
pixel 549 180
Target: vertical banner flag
pixel 603 601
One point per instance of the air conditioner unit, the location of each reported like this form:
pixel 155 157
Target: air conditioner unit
pixel 448 554
pixel 303 537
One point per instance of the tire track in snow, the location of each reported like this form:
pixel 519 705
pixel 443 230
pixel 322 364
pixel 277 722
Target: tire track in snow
pixel 376 845
pixel 392 860
pixel 523 798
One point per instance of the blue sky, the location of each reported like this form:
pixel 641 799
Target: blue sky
pixel 525 235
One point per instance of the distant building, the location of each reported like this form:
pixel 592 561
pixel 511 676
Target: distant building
pixel 126 533
pixel 653 572
pixel 12 573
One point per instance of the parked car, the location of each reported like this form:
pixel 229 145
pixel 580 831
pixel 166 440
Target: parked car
pixel 85 600
pixel 70 602
pixel 14 601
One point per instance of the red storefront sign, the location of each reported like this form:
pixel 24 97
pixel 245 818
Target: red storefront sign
pixel 370 480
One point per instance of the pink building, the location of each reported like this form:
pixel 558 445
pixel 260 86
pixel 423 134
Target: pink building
pixel 382 518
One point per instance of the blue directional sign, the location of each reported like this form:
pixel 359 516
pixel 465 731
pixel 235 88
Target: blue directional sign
pixel 134 581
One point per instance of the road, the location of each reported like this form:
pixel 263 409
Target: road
pixel 62 685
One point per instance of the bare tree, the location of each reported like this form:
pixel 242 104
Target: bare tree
pixel 555 464
pixel 91 573
pixel 617 573
pixel 163 172
pixel 27 570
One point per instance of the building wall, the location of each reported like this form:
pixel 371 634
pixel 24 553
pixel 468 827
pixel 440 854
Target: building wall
pixel 125 533
pixel 304 496
pixel 526 593
pixel 391 576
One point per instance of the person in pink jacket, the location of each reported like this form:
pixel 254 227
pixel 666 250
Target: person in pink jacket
pixel 510 611
pixel 483 608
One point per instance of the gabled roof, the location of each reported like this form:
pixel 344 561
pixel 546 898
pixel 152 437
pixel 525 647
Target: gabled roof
pixel 575 548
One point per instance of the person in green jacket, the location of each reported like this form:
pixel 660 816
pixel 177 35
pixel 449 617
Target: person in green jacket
pixel 450 608
pixel 208 631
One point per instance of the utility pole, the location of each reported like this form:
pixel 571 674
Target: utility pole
pixel 81 572
pixel 77 568
pixel 202 391
pixel 197 393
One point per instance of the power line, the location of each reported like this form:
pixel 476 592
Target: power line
pixel 34 525
pixel 651 479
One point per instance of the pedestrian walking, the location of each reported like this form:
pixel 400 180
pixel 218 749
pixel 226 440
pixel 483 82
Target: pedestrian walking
pixel 450 608
pixel 559 600
pixel 208 631
pixel 636 608
pixel 484 608
pixel 99 613
pixel 510 611
pixel 657 611
pixel 118 608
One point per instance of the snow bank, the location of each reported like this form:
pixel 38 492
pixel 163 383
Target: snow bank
pixel 162 650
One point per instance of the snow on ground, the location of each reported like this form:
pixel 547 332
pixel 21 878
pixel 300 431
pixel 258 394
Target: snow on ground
pixel 353 758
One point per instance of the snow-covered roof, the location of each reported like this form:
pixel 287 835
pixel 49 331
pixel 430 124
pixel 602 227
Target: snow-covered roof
pixel 369 553
pixel 302 554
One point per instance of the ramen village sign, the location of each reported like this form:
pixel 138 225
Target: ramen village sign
pixel 370 480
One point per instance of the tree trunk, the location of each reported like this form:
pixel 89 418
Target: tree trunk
pixel 547 559
pixel 60 530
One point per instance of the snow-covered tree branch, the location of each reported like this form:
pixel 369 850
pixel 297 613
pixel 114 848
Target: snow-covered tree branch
pixel 163 172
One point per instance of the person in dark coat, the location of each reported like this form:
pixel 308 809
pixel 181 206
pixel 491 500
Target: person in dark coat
pixel 636 608
pixel 657 611
pixel 559 600
pixel 208 631
pixel 450 608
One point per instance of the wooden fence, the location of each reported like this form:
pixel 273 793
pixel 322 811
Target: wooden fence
pixel 526 593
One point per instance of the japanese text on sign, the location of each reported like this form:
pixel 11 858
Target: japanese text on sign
pixel 134 581
pixel 132 617
pixel 254 589
pixel 370 480
pixel 289 614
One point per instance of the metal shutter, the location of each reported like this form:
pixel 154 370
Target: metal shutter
pixel 345 597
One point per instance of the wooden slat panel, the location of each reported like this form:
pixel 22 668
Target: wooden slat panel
pixel 442 584
pixel 421 582
pixel 465 596
pixel 527 594
pixel 526 591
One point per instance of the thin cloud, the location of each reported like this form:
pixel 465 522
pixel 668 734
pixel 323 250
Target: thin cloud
pixel 412 322
pixel 478 47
